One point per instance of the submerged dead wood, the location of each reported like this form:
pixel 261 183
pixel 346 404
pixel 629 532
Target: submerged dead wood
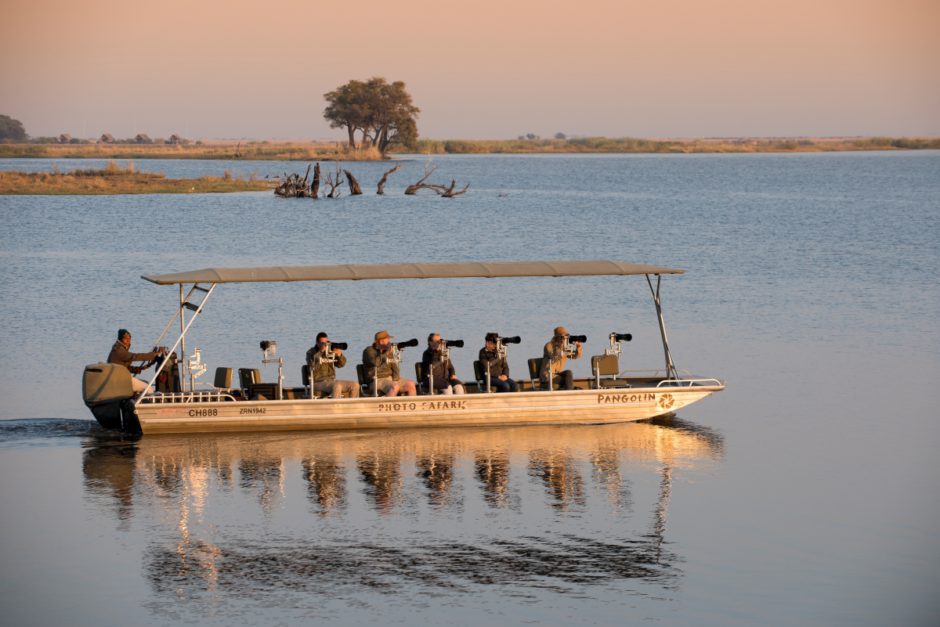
pixel 380 190
pixel 448 192
pixel 412 189
pixel 334 180
pixel 292 186
pixel 354 189
pixel 444 191
pixel 315 186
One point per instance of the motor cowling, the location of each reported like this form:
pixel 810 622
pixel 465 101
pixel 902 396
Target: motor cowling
pixel 106 383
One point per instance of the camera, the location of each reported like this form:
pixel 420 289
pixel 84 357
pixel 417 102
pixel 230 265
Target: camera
pixel 452 343
pixel 340 345
pixel 621 337
pixel 510 340
pixel 577 338
pixel 407 344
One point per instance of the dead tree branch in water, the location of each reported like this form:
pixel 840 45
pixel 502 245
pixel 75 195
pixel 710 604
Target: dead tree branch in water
pixel 354 189
pixel 380 190
pixel 448 192
pixel 315 186
pixel 444 191
pixel 412 189
pixel 292 186
pixel 334 180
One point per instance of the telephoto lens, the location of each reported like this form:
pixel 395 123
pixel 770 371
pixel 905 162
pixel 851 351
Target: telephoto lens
pixel 408 344
pixel 577 338
pixel 340 345
pixel 622 337
pixel 515 339
pixel 454 343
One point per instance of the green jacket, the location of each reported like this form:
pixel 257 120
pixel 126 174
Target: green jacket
pixel 372 359
pixel 323 370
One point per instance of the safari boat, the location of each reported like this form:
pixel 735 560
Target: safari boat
pixel 174 403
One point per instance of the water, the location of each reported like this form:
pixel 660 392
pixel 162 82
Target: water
pixel 806 492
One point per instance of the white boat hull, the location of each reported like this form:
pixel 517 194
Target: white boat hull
pixel 468 410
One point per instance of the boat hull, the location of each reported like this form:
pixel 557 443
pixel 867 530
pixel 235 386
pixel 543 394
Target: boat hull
pixel 469 410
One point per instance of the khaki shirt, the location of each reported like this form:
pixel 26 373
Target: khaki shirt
pixel 554 355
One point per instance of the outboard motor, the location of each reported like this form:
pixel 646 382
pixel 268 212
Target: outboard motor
pixel 107 392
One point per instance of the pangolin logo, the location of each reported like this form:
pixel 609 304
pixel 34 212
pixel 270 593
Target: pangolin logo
pixel 666 401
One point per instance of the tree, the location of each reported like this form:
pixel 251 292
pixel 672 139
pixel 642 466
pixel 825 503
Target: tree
pixel 11 129
pixel 382 112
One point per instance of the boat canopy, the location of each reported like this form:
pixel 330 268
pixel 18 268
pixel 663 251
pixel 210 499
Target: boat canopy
pixel 361 272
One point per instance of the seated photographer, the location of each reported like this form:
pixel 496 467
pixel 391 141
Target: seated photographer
pixel 120 354
pixel 323 360
pixel 491 358
pixel 436 362
pixel 381 366
pixel 553 361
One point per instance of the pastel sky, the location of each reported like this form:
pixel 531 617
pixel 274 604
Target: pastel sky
pixel 478 69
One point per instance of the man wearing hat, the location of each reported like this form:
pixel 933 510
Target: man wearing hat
pixel 553 360
pixel 500 380
pixel 120 354
pixel 382 370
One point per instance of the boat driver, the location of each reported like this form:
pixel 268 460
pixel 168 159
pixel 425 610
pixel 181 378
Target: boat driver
pixel 383 371
pixel 323 360
pixel 553 362
pixel 120 354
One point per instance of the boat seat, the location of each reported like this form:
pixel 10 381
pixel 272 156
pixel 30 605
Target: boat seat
pixel 305 379
pixel 419 373
pixel 606 368
pixel 263 392
pixel 480 373
pixel 535 367
pixel 364 384
pixel 248 377
pixel 223 378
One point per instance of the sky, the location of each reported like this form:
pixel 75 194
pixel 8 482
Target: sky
pixel 482 69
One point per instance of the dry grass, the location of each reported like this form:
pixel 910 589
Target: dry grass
pixel 117 180
pixel 250 151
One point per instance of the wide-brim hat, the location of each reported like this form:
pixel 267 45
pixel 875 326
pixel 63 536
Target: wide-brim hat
pixel 381 335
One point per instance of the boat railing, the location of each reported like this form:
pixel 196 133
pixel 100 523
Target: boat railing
pixel 199 396
pixel 688 383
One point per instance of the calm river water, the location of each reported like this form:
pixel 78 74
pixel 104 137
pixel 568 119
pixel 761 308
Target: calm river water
pixel 806 493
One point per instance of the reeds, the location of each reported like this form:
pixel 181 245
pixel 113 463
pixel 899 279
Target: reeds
pixel 113 179
pixel 634 145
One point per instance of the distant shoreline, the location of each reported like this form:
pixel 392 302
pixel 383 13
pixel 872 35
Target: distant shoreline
pixel 338 151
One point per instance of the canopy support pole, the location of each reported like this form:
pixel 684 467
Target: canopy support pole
pixel 670 366
pixel 181 339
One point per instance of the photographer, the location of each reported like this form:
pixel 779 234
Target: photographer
pixel 120 354
pixel 490 357
pixel 553 360
pixel 323 360
pixel 381 363
pixel 436 361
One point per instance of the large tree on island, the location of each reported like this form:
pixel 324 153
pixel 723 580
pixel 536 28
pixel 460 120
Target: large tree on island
pixel 382 112
pixel 11 129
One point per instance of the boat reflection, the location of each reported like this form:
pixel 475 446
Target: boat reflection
pixel 361 479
